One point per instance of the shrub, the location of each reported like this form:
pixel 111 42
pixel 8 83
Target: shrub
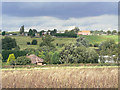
pixel 23 60
pixel 96 45
pixel 90 45
pixel 57 44
pixel 17 53
pixel 28 43
pixel 34 42
pixel 11 59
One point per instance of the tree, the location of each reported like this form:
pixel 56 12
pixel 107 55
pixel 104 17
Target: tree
pixel 114 32
pixel 76 29
pixel 107 47
pixel 22 29
pixel 34 42
pixel 73 54
pixel 11 59
pixel 108 32
pixel 41 32
pixel 31 33
pixel 47 41
pixel 8 43
pixel 81 41
pixel 3 33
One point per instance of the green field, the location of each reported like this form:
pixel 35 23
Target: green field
pixel 22 40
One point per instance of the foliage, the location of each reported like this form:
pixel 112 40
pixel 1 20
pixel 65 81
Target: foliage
pixel 76 29
pixel 114 32
pixel 31 32
pixel 47 41
pixel 32 51
pixel 28 43
pixel 55 58
pixel 8 43
pixel 3 33
pixel 23 60
pixel 42 54
pixel 81 41
pixel 107 47
pixel 11 59
pixel 34 42
pixel 17 53
pixel 73 54
pixel 108 32
pixel 67 34
pixel 22 29
pixel 96 45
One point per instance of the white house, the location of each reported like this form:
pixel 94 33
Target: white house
pixel 107 59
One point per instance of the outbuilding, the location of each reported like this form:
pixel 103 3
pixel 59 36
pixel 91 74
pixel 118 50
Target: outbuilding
pixel 35 59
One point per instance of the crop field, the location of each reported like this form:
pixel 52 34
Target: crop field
pixel 61 77
pixel 22 40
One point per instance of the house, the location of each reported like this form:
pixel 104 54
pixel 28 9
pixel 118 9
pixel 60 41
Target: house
pixel 35 59
pixel 84 33
pixel 107 59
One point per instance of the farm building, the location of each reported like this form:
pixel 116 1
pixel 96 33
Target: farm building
pixel 35 59
pixel 84 33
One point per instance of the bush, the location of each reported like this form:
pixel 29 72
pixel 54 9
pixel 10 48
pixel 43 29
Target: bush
pixel 57 44
pixel 17 53
pixel 11 59
pixel 28 43
pixel 34 42
pixel 90 45
pixel 23 60
pixel 96 45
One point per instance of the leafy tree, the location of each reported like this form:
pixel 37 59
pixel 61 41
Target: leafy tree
pixel 41 32
pixel 31 33
pixel 8 43
pixel 107 47
pixel 34 42
pixel 82 41
pixel 34 30
pixel 108 32
pixel 11 59
pixel 47 41
pixel 55 58
pixel 76 29
pixel 22 29
pixel 3 33
pixel 114 32
pixel 23 60
pixel 81 54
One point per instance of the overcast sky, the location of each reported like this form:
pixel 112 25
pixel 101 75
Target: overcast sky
pixel 60 15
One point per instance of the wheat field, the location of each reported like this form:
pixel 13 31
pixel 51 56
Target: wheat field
pixel 61 78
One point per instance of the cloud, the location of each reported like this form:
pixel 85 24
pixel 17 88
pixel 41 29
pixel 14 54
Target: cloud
pixel 103 22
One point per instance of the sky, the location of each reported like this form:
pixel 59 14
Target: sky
pixel 59 15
